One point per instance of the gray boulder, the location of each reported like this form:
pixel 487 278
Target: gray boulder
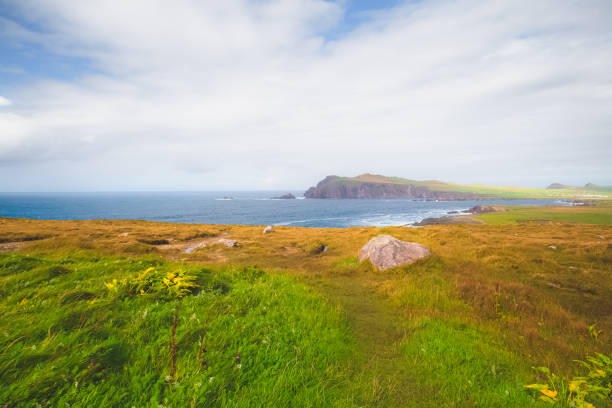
pixel 386 252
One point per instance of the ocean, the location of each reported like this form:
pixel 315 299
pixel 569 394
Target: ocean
pixel 237 207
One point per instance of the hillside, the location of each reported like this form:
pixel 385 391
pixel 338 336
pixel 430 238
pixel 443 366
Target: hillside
pixel 373 186
pixel 378 186
pixel 595 187
pixel 135 313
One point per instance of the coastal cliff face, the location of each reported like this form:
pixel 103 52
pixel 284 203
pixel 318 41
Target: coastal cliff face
pixel 341 187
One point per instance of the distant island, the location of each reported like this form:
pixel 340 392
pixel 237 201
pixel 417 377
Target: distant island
pixel 371 186
pixel 287 196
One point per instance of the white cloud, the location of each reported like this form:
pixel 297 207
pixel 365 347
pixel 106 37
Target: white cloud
pixel 5 102
pixel 242 94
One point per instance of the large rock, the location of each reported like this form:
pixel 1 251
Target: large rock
pixel 386 252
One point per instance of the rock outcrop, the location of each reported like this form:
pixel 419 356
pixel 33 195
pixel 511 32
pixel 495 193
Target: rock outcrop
pixel 287 196
pixel 360 187
pixel 385 251
pixel 230 243
pixel 483 209
pixel 459 219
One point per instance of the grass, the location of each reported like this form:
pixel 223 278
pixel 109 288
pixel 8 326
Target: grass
pixel 67 340
pixel 493 300
pixel 600 215
pixel 463 366
pixel 499 192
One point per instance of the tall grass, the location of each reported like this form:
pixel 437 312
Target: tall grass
pixel 67 340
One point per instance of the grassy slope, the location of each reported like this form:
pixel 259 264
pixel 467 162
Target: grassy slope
pixel 461 328
pixel 67 339
pixel 492 191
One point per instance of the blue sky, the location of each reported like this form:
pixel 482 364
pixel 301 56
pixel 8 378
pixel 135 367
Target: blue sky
pixel 24 61
pixel 276 94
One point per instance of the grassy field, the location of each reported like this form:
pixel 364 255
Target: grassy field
pixel 277 321
pixel 500 192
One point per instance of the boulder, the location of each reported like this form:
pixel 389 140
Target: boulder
pixel 268 229
pixel 385 251
pixel 230 243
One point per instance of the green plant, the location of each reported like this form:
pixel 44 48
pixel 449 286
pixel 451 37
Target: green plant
pixel 594 332
pixel 175 284
pixel 179 284
pixel 580 391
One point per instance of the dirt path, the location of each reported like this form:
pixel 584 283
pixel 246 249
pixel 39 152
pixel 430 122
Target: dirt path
pixel 381 378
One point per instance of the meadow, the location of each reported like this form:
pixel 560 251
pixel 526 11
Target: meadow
pixel 134 313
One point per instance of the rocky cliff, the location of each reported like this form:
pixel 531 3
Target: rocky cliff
pixel 344 187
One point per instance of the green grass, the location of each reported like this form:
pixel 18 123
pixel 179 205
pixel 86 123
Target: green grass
pixel 505 192
pixel 514 215
pixel 464 367
pixel 66 340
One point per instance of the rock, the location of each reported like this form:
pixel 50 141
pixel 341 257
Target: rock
pixel 553 247
pixel 195 246
pixel 385 251
pixel 458 219
pixel 584 203
pixel 230 243
pixel 268 229
pixel 453 212
pixel 287 196
pixel 481 209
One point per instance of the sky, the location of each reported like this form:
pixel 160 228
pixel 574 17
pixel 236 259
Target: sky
pixel 109 95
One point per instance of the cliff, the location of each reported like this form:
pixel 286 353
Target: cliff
pixel 372 186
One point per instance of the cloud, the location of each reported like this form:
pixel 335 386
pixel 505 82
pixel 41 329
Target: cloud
pixel 5 102
pixel 253 94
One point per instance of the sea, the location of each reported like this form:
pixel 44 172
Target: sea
pixel 234 207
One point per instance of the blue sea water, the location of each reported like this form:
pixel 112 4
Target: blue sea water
pixel 244 207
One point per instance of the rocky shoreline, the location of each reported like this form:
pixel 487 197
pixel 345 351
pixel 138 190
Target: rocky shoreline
pixel 461 219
